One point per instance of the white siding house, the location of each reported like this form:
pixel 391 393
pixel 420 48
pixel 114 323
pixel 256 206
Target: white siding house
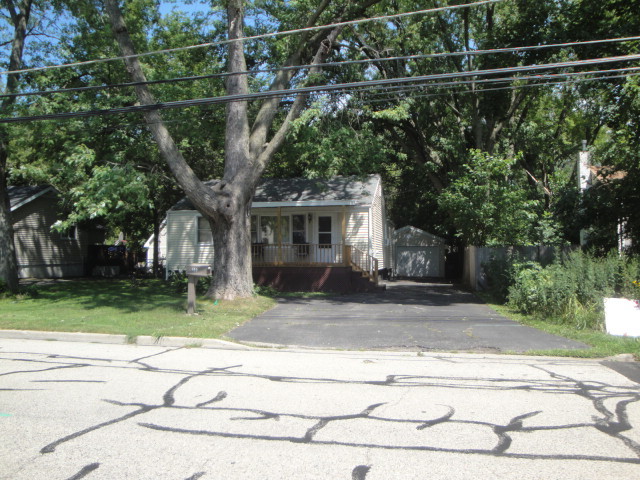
pixel 295 222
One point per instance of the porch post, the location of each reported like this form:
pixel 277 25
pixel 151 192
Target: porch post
pixel 279 235
pixel 346 254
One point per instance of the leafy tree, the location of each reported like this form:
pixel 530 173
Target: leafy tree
pixel 489 205
pixel 109 168
pixel 251 138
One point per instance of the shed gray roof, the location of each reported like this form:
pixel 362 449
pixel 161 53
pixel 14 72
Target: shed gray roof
pixel 19 196
pixel 304 191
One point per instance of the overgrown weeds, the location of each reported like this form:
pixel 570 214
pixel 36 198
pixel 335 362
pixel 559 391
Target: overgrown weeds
pixel 569 291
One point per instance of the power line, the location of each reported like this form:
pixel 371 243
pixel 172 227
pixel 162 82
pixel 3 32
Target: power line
pixel 256 37
pixel 320 88
pixel 547 76
pixel 327 64
pixel 569 81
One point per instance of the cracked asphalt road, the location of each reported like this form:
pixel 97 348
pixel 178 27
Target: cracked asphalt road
pixel 98 411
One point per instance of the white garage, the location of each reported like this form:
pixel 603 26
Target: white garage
pixel 418 253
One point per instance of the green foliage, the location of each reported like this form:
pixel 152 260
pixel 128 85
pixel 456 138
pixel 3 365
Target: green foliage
pixel 489 204
pixel 23 292
pixel 572 291
pixel 178 282
pixel 265 291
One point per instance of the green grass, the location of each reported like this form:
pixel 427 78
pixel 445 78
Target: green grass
pixel 602 344
pixel 116 306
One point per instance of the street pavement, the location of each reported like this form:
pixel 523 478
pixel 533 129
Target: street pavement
pixel 407 316
pixel 103 411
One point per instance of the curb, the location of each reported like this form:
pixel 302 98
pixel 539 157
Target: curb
pixel 142 340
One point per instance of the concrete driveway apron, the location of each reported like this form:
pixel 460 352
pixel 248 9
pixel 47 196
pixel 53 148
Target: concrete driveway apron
pixel 407 316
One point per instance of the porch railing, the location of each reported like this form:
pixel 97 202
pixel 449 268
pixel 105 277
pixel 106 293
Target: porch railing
pixel 301 254
pixel 297 254
pixel 364 262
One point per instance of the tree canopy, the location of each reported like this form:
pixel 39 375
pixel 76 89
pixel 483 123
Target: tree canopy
pixel 475 138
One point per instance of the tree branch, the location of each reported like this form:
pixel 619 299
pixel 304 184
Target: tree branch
pixel 200 194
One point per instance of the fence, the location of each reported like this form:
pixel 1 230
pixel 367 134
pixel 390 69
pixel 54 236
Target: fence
pixel 473 274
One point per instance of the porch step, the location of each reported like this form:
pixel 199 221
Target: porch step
pixel 362 282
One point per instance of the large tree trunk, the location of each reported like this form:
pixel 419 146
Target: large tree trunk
pixel 8 262
pixel 232 268
pixel 248 150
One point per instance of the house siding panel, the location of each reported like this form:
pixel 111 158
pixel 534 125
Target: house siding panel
pixel 182 236
pixel 40 252
pixel 357 233
pixel 379 224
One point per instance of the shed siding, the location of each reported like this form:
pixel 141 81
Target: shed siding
pixel 182 238
pixel 40 252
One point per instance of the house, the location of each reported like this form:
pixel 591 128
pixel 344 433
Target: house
pixel 41 252
pixel 418 254
pixel 589 176
pixel 307 234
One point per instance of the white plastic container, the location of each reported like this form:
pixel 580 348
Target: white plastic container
pixel 622 317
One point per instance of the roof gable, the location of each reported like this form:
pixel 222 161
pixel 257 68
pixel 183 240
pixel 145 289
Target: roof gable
pixel 412 236
pixel 19 196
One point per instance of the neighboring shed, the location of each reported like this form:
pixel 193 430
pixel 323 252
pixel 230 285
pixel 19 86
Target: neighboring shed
pixel 41 252
pixel 418 254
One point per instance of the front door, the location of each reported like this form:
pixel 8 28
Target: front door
pixel 326 239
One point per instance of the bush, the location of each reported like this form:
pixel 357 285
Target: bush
pixel 23 292
pixel 572 290
pixel 501 273
pixel 265 291
pixel 178 280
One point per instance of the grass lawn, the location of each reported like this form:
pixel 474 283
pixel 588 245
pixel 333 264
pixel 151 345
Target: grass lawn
pixel 151 307
pixel 602 344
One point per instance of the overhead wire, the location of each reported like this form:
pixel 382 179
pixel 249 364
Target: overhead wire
pixel 546 76
pixel 325 65
pixel 256 37
pixel 319 88
pixel 569 81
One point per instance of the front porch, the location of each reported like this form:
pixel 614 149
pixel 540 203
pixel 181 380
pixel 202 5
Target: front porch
pixel 309 258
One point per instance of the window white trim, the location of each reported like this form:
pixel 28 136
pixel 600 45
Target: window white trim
pixel 204 229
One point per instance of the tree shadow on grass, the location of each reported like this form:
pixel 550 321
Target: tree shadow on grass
pixel 118 294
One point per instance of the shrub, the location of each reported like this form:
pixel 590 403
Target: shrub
pixel 571 291
pixel 30 291
pixel 265 291
pixel 179 280
pixel 501 272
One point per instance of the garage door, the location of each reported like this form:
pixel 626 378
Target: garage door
pixel 418 261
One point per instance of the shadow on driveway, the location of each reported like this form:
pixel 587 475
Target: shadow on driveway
pixel 407 316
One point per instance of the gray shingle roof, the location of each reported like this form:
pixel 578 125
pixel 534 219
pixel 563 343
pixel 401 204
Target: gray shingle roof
pixel 18 196
pixel 337 190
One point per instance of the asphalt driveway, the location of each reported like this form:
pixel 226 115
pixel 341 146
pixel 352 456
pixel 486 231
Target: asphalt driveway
pixel 407 316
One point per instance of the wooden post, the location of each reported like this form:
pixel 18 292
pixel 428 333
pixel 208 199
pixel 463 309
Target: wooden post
pixel 346 255
pixel 375 270
pixel 191 294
